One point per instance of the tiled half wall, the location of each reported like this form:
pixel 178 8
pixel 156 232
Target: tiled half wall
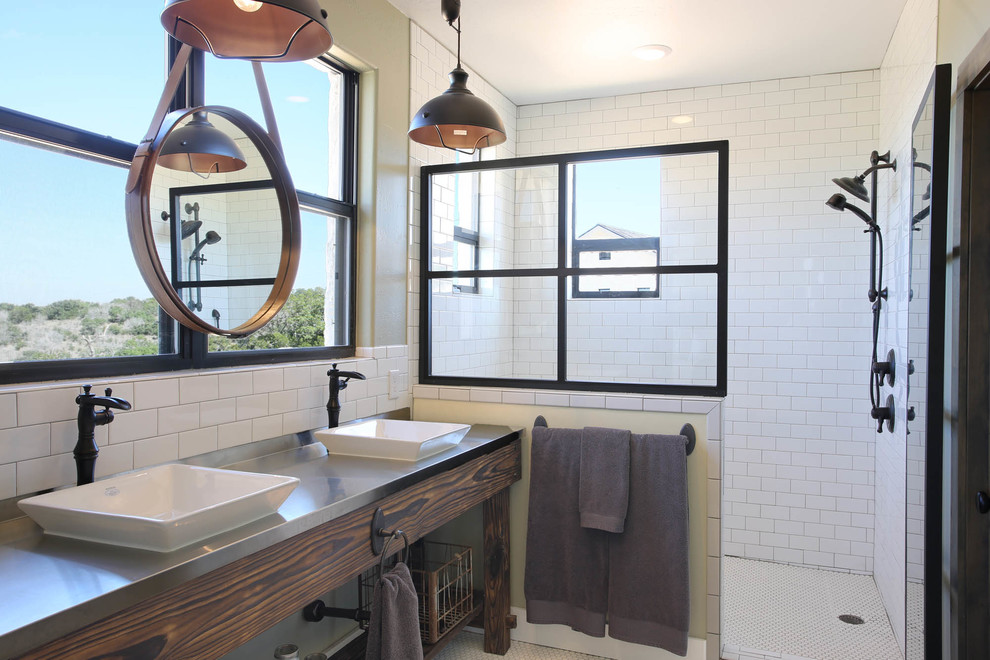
pixel 177 415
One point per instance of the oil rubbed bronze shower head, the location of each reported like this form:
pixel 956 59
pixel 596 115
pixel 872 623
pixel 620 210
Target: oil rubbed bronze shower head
pixel 190 227
pixel 839 203
pixel 854 186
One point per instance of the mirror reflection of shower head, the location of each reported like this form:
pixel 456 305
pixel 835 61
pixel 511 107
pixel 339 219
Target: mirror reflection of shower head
pixel 839 203
pixel 854 186
pixel 190 227
pixel 212 238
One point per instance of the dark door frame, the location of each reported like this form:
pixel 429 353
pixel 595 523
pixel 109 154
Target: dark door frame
pixel 968 410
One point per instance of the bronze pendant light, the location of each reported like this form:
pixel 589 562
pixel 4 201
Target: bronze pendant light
pixel 202 148
pixel 269 30
pixel 457 119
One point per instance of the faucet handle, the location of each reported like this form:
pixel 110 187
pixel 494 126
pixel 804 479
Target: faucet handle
pixel 108 391
pixel 87 388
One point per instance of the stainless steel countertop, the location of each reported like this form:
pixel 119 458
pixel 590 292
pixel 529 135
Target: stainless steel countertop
pixel 51 586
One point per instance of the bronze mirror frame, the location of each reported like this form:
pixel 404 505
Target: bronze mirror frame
pixel 141 233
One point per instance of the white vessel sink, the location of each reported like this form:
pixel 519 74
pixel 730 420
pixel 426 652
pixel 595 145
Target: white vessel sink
pixel 397 439
pixel 162 508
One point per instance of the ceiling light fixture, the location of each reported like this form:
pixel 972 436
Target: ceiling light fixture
pixel 457 119
pixel 270 30
pixel 652 52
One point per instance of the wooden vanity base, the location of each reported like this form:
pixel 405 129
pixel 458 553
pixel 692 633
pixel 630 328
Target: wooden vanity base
pixel 214 614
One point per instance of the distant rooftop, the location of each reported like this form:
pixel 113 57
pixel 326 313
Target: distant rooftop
pixel 619 232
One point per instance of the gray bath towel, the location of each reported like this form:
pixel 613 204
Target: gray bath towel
pixel 648 563
pixel 566 564
pixel 604 495
pixel 393 631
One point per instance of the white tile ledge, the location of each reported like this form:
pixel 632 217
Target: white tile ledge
pixel 571 399
pixel 378 352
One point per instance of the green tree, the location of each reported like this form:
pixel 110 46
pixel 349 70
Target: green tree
pixel 299 324
pixel 91 326
pixel 61 310
pixel 22 313
pixel 139 346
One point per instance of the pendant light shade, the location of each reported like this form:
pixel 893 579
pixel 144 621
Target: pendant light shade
pixel 202 148
pixel 457 119
pixel 270 30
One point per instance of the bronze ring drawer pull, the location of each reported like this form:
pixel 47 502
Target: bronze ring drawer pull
pixel 381 537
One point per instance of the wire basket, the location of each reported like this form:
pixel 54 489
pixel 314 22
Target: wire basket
pixel 443 576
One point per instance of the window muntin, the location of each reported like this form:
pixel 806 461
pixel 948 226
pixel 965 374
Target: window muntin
pixel 670 314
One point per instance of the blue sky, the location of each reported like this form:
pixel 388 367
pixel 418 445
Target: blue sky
pixel 101 67
pixel 622 193
pixel 103 71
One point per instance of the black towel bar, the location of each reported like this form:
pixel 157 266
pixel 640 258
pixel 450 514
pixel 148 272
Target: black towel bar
pixel 687 431
pixel 692 438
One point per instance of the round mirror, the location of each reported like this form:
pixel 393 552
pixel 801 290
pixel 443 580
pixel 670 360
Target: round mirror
pixel 213 221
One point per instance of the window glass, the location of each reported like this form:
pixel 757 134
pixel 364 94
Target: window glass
pixel 316 313
pixel 69 287
pixel 639 286
pixel 96 66
pixel 508 330
pixel 666 340
pixel 514 212
pixel 307 98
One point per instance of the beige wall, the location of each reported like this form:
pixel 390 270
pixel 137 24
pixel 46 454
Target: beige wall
pixel 522 416
pixel 373 37
pixel 961 24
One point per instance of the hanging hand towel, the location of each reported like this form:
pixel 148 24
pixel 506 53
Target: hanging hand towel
pixel 604 490
pixel 393 631
pixel 566 565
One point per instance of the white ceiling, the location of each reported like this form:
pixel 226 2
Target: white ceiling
pixel 536 51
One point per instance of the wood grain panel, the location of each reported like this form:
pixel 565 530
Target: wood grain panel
pixel 496 523
pixel 215 613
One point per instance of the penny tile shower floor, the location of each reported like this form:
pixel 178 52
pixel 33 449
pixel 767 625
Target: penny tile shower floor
pixel 792 613
pixel 469 646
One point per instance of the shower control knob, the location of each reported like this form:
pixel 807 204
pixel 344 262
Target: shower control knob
pixel 982 502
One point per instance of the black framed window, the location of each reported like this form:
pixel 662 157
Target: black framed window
pixel 315 103
pixel 605 271
pixel 72 303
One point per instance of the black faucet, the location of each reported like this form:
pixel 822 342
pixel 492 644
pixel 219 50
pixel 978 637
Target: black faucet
pixel 86 450
pixel 338 381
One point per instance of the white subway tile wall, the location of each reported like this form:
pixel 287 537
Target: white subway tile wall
pixel 534 242
pixel 458 348
pixel 179 415
pixel 904 77
pixel 799 446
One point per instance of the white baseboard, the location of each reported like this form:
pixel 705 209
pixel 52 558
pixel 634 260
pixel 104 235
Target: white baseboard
pixel 562 637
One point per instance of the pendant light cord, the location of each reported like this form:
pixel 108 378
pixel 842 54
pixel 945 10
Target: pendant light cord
pixel 458 31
